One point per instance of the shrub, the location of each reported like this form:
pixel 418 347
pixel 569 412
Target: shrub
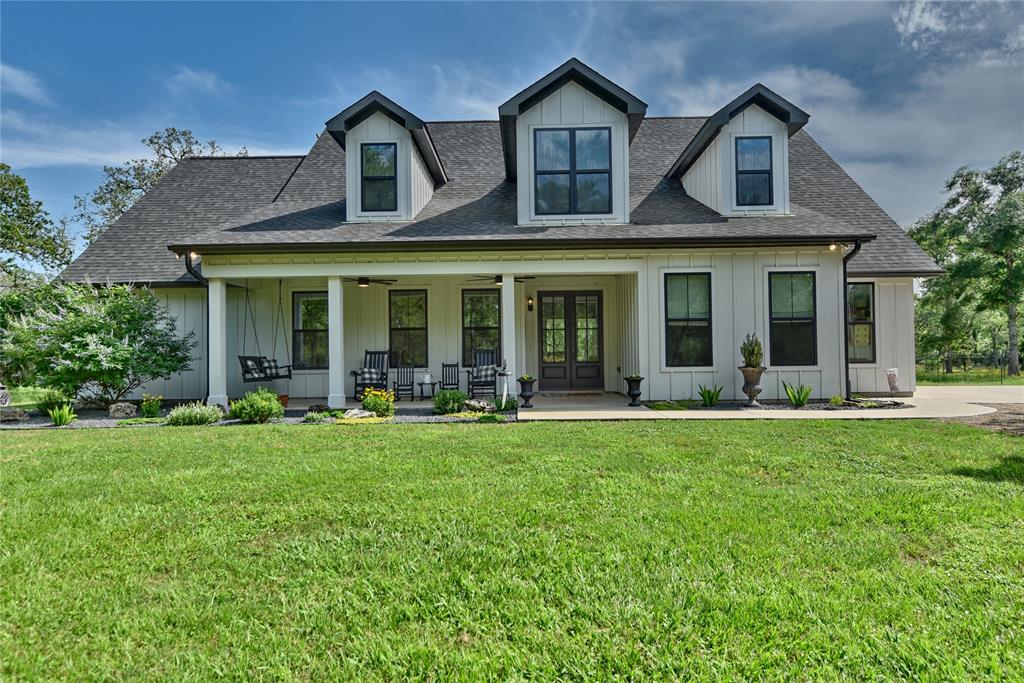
pixel 150 406
pixel 837 400
pixel 449 401
pixel 798 396
pixel 100 342
pixel 752 351
pixel 315 416
pixel 128 422
pixel 51 399
pixel 709 397
pixel 62 415
pixel 508 404
pixel 379 401
pixel 194 414
pixel 257 406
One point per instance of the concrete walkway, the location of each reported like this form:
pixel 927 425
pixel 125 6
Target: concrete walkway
pixel 928 402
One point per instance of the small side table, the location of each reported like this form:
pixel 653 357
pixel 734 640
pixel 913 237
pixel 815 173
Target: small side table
pixel 421 385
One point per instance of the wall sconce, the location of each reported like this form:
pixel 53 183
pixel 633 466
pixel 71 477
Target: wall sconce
pixel 529 304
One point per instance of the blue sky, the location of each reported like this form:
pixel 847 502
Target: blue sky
pixel 900 93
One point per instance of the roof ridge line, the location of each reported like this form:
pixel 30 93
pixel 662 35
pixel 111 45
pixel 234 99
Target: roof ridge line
pixel 246 156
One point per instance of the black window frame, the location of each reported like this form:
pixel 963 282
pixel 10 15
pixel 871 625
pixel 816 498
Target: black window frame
pixel 669 319
pixel 465 350
pixel 363 178
pixel 770 171
pixel 812 319
pixel 298 332
pixel 426 326
pixel 851 321
pixel 572 172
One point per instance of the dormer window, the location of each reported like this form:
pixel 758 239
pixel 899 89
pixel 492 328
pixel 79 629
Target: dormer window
pixel 379 173
pixel 572 171
pixel 754 171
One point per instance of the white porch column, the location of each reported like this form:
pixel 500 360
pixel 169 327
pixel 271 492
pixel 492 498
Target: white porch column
pixel 335 344
pixel 643 326
pixel 218 342
pixel 508 329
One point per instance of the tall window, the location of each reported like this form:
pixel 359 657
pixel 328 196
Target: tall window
pixel 688 319
pixel 573 171
pixel 378 170
pixel 407 314
pixel 793 319
pixel 860 331
pixel 754 171
pixel 481 322
pixel 309 330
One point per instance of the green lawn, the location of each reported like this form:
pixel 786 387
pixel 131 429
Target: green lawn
pixel 664 550
pixel 25 397
pixel 977 375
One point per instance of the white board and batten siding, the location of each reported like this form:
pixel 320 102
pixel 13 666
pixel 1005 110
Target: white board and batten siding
pixel 712 178
pixel 894 338
pixel 188 307
pixel 573 106
pixel 415 185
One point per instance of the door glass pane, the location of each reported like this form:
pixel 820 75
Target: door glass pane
pixel 587 332
pixel 593 194
pixel 592 150
pixel 552 150
pixel 553 193
pixel 553 329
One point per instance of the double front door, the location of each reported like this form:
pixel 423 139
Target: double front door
pixel 571 346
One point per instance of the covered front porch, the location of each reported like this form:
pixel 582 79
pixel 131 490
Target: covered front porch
pixel 574 325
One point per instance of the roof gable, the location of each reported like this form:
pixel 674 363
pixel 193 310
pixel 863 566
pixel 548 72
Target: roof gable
pixel 375 102
pixel 782 109
pixel 576 71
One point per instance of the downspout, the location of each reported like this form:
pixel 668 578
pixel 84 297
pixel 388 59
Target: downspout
pixel 846 318
pixel 191 268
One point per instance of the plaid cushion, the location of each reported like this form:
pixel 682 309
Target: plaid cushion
pixel 269 366
pixel 485 373
pixel 367 375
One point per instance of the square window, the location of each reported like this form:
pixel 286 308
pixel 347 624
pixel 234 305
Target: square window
pixel 572 171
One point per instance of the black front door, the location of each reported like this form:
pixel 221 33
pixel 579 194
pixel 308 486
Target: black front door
pixel 570 340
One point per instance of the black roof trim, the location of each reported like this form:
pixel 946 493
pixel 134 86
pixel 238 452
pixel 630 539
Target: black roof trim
pixel 375 102
pixel 573 70
pixel 793 116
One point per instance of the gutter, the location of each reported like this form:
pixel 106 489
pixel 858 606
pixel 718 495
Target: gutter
pixel 846 317
pixel 191 268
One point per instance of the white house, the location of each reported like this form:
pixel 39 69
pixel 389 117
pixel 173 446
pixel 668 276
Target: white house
pixel 581 239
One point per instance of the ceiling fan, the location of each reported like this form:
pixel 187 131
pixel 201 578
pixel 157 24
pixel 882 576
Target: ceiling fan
pixel 367 281
pixel 497 279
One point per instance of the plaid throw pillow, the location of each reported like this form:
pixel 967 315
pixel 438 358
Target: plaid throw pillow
pixel 270 366
pixel 368 375
pixel 486 373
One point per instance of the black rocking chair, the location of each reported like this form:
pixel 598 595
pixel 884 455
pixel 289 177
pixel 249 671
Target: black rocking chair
pixel 405 376
pixel 449 377
pixel 482 378
pixel 373 374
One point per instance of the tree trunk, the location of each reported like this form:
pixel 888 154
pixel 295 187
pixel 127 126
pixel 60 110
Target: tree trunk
pixel 1014 361
pixel 948 363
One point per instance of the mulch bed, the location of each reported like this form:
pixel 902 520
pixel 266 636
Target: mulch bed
pixel 1008 418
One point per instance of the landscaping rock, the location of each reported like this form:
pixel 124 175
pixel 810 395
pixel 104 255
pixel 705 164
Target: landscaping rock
pixel 13 415
pixel 318 408
pixel 358 413
pixel 121 411
pixel 475 405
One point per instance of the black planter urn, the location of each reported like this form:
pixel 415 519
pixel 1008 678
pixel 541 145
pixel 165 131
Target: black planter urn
pixel 526 391
pixel 752 384
pixel 633 390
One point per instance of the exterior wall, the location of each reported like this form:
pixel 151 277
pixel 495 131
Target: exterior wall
pixel 712 179
pixel 188 306
pixel 572 105
pixel 415 187
pixel 894 338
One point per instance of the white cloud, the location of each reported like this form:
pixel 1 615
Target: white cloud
pixel 186 81
pixel 919 22
pixel 23 84
pixel 33 141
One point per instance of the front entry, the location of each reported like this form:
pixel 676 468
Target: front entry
pixel 571 346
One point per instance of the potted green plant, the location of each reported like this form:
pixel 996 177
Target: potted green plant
pixel 526 389
pixel 633 389
pixel 753 354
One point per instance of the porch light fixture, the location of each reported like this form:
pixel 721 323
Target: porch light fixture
pixel 498 280
pixel 363 282
pixel 529 303
pixel 193 255
pixel 833 246
pixel 177 256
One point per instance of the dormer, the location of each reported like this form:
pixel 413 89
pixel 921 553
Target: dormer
pixel 738 162
pixel 566 146
pixel 391 166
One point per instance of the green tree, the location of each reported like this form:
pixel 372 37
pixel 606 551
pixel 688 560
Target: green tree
pixel 125 184
pixel 26 230
pixel 100 343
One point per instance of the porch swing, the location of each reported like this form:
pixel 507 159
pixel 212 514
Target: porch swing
pixel 259 368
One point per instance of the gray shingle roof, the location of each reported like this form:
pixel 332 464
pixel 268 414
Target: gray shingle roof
pixel 202 204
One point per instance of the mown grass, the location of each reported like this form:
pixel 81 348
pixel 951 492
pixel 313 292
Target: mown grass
pixel 668 550
pixel 970 376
